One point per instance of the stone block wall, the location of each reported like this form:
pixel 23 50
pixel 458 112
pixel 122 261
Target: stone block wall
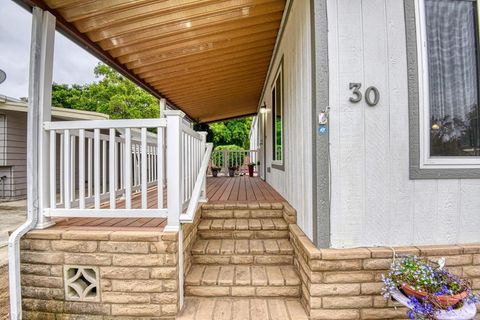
pixel 189 232
pixel 138 273
pixel 346 283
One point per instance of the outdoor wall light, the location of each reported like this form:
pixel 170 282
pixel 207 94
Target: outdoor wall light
pixel 263 109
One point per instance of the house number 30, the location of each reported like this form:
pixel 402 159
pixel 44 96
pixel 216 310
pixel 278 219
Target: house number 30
pixel 357 94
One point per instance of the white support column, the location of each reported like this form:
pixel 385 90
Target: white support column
pixel 41 54
pixel 174 169
pixel 163 107
pixel 45 114
pixel 203 197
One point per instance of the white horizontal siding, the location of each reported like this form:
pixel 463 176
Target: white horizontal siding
pixel 295 182
pixel 373 200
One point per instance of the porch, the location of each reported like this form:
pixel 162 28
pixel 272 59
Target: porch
pixel 241 189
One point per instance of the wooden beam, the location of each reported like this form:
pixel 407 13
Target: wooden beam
pixel 260 14
pixel 228 54
pixel 220 39
pixel 180 70
pixel 159 55
pixel 213 69
pixel 218 79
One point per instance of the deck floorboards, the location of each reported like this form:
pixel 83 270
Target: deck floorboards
pixel 219 189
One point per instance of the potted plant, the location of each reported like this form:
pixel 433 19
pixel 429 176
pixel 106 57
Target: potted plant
pixel 251 167
pixel 231 170
pixel 215 171
pixel 430 289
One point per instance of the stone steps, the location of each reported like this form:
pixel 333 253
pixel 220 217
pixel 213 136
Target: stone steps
pixel 241 213
pixel 243 224
pixel 242 281
pixel 257 252
pixel 227 308
pixel 268 228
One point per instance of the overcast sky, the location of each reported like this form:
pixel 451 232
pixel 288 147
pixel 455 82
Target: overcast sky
pixel 72 64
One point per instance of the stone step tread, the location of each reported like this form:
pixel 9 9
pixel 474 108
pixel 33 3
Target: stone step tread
pixel 241 213
pixel 242 246
pixel 243 224
pixel 242 275
pixel 242 308
pixel 243 234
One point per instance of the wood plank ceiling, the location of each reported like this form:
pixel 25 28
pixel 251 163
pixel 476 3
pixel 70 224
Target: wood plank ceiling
pixel 209 57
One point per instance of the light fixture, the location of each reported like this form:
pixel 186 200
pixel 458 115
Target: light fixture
pixel 263 109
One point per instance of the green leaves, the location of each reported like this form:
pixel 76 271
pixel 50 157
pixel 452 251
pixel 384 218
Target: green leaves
pixel 113 94
pixel 232 132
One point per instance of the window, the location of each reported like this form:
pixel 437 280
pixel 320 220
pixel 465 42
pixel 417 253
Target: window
pixel 277 117
pixel 449 49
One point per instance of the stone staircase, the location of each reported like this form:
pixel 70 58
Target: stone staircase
pixel 243 251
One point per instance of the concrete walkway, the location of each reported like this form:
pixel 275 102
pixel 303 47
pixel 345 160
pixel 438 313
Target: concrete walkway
pixel 12 215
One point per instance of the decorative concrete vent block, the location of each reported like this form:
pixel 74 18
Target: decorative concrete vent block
pixel 82 283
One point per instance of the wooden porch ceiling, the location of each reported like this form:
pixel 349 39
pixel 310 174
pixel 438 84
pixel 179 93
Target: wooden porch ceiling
pixel 207 57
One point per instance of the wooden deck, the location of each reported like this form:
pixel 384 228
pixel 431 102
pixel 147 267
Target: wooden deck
pixel 241 189
pixel 219 189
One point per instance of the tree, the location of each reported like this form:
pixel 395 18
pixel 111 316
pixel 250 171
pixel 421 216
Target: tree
pixel 232 132
pixel 113 94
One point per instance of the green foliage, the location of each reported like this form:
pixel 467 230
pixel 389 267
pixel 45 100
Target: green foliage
pixel 113 94
pixel 232 132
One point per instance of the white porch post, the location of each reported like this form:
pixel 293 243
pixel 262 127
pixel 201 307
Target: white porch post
pixel 203 197
pixel 163 107
pixel 175 185
pixel 41 55
pixel 174 168
pixel 44 114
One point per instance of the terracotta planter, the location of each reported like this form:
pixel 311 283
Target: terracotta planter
pixel 444 300
pixel 250 170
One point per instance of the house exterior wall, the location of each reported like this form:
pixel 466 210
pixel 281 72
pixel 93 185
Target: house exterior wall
pixel 294 182
pixel 374 202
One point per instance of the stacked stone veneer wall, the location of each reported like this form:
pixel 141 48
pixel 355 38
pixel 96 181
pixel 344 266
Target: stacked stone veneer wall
pixel 346 283
pixel 189 232
pixel 138 273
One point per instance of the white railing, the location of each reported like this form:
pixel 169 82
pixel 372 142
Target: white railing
pixel 240 159
pixel 120 168
pixel 99 164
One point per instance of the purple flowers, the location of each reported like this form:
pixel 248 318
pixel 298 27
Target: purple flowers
pixel 431 287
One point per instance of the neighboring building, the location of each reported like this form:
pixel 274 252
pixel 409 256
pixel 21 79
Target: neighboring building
pixel 13 143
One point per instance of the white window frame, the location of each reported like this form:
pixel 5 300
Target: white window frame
pixel 274 114
pixel 427 161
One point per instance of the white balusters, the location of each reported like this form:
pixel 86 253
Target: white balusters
pixel 108 167
pixel 66 169
pixel 112 167
pixel 128 171
pixel 144 168
pixel 81 168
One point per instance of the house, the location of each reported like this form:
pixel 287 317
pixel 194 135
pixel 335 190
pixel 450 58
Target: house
pixel 366 123
pixel 13 143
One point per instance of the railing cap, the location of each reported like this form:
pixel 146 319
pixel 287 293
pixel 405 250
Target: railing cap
pixel 170 113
